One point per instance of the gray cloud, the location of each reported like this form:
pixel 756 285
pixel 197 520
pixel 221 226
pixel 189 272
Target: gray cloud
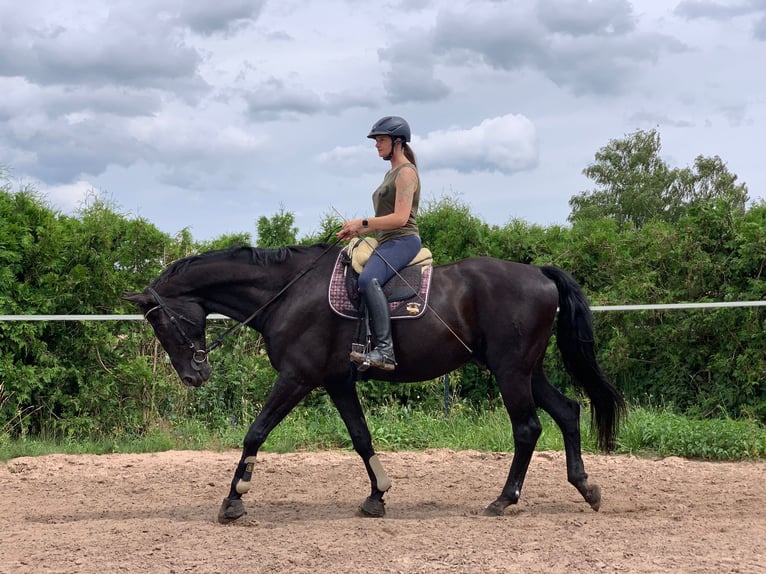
pixel 759 29
pixel 585 47
pixel 112 51
pixel 586 65
pixel 406 83
pixel 64 150
pixel 653 119
pixel 410 77
pixel 693 9
pixel 221 16
pixel 499 39
pixel 586 17
pixel 20 98
pixel 273 100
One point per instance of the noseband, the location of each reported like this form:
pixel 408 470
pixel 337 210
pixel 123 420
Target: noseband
pixel 199 356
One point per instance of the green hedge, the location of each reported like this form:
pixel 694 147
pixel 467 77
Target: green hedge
pixel 85 378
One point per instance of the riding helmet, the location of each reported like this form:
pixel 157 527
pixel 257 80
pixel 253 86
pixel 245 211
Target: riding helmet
pixel 393 126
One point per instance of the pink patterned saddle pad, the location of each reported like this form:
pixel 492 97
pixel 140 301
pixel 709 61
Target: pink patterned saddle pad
pixel 407 292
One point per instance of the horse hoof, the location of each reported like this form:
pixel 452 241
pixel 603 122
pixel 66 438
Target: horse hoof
pixel 372 508
pixel 497 508
pixel 593 497
pixel 231 510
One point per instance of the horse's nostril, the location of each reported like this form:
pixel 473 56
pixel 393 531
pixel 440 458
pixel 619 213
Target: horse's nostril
pixel 189 381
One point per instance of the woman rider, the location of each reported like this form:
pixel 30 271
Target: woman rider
pixel 396 206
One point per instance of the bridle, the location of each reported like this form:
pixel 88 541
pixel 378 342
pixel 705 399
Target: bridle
pixel 199 356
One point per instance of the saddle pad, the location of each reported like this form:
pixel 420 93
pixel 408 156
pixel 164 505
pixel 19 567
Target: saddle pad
pixel 402 302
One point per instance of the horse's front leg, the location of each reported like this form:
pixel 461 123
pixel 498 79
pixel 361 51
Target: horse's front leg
pixel 346 400
pixel 284 396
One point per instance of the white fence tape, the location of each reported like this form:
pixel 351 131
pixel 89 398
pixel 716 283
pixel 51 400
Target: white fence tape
pixel 651 307
pixel 648 307
pixel 84 317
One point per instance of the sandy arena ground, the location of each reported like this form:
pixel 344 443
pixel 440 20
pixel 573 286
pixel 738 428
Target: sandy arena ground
pixel 156 513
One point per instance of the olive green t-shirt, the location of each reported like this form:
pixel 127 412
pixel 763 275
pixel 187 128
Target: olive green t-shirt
pixel 384 202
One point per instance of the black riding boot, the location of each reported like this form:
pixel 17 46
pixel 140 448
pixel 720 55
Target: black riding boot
pixel 382 355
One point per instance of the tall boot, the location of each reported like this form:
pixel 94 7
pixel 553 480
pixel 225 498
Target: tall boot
pixel 382 355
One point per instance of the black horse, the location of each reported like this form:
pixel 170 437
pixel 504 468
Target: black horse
pixel 495 313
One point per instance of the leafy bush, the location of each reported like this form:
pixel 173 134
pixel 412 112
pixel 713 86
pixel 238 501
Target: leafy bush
pixel 77 379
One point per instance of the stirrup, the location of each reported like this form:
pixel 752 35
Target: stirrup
pixel 359 356
pixel 374 358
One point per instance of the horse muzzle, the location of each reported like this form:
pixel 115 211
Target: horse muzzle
pixel 200 370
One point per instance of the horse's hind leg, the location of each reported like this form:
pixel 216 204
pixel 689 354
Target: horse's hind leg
pixel 517 397
pixel 346 400
pixel 566 413
pixel 284 396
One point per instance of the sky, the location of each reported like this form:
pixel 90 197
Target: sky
pixel 209 115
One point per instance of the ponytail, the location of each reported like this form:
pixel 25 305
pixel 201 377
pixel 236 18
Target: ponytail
pixel 409 154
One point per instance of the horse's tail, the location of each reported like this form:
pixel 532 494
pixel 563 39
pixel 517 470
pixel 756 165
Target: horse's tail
pixel 575 341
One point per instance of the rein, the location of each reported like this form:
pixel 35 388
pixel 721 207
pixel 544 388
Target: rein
pixel 200 355
pixel 230 330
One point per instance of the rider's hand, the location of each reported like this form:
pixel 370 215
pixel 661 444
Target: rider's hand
pixel 351 229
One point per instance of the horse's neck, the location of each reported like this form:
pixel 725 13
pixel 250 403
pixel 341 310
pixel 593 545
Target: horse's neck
pixel 236 289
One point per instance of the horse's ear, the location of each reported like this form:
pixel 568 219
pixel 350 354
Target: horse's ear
pixel 137 298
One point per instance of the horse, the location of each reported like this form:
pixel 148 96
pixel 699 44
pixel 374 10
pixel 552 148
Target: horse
pixel 495 313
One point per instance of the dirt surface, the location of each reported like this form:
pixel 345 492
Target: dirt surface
pixel 156 513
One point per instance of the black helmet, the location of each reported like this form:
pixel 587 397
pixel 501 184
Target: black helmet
pixel 393 126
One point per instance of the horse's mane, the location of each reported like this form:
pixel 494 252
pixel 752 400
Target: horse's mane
pixel 251 255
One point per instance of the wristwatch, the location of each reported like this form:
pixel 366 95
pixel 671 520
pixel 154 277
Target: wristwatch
pixel 365 223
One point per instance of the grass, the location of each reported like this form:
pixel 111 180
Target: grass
pixel 645 433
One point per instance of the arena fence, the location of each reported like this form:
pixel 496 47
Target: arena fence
pixel 644 307
pixel 446 378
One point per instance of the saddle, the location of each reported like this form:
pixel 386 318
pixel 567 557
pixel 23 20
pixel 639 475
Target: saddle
pixel 407 292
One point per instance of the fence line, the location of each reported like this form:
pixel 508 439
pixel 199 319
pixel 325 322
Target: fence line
pixel 646 307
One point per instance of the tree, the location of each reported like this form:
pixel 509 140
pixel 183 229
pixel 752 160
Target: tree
pixel 329 225
pixel 709 181
pixel 635 185
pixel 277 231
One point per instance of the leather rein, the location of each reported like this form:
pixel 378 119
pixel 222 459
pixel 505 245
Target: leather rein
pixel 199 356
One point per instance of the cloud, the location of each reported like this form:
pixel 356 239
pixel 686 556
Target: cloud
pixel 694 9
pixel 505 144
pixel 68 197
pixel 499 38
pixel 653 119
pixel 586 17
pixel 411 74
pixel 221 16
pixel 707 9
pixel 585 47
pixel 59 148
pixel 94 50
pixel 759 29
pixel 273 99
